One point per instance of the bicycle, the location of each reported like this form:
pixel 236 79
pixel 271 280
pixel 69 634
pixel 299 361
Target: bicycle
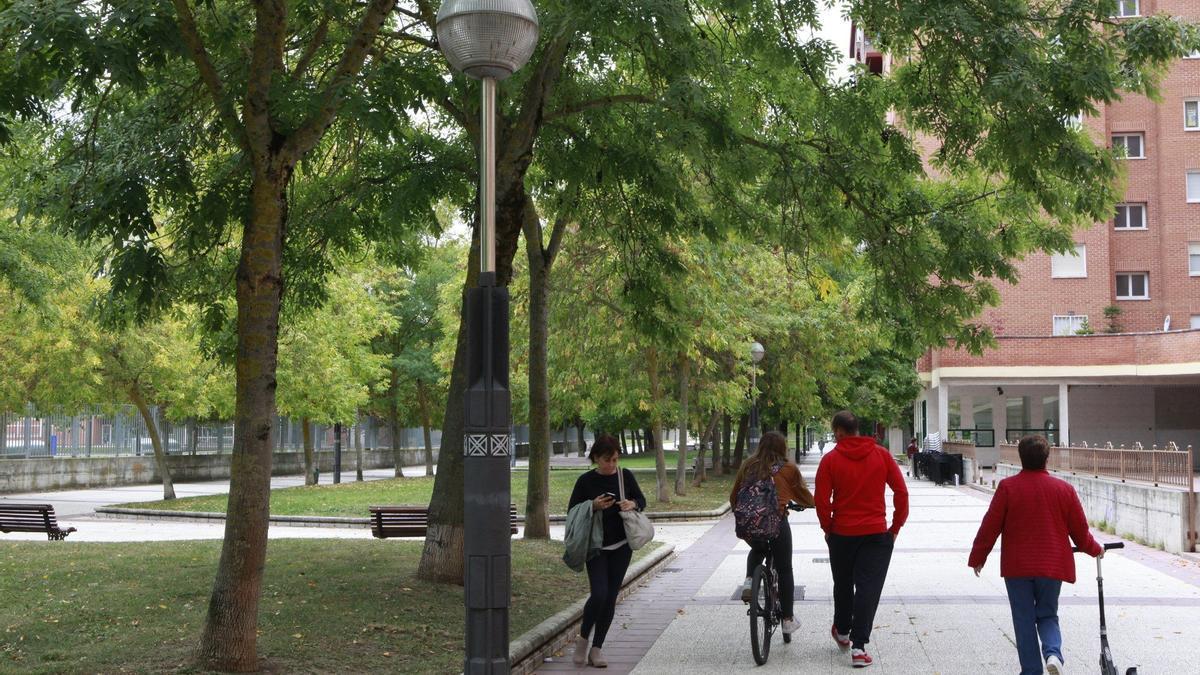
pixel 764 611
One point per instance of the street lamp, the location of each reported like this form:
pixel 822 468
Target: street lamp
pixel 487 40
pixel 756 354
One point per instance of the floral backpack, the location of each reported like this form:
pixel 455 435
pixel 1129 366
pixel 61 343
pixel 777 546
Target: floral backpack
pixel 756 515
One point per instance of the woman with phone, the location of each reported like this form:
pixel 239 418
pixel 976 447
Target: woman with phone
pixel 607 570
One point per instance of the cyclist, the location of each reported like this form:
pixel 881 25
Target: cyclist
pixel 771 462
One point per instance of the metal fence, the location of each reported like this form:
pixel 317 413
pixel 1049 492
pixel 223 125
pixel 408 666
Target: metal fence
pixel 121 430
pixel 981 438
pixel 1161 467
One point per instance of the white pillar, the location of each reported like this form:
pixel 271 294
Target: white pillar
pixel 1000 417
pixel 943 411
pixel 1064 420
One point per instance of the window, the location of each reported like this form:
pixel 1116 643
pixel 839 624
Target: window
pixel 1130 145
pixel 1069 265
pixel 1130 217
pixel 1127 8
pixel 1069 324
pixel 1193 186
pixel 1194 258
pixel 1191 115
pixel 1196 322
pixel 1133 286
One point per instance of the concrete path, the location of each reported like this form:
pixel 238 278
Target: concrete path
pixel 935 616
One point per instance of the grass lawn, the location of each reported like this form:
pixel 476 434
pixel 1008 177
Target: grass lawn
pixel 328 605
pixel 352 499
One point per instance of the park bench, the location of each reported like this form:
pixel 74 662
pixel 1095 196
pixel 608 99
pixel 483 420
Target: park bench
pixel 31 518
pixel 412 521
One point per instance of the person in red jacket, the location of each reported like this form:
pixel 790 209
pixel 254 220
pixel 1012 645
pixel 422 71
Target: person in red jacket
pixel 850 506
pixel 1036 513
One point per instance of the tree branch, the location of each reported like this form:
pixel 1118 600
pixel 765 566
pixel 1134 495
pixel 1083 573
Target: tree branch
pixel 602 102
pixel 307 135
pixel 310 51
pixel 537 91
pixel 266 54
pixel 212 80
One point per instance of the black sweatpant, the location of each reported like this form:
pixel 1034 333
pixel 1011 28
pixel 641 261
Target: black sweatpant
pixel 859 566
pixel 605 574
pixel 781 554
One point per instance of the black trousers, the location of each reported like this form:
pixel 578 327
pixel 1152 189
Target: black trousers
pixel 859 566
pixel 605 574
pixel 781 554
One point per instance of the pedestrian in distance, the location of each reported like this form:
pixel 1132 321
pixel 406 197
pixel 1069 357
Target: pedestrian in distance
pixel 850 504
pixel 606 571
pixel 1039 516
pixel 771 464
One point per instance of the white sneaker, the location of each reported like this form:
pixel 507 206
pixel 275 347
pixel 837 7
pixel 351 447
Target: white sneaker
pixel 790 626
pixel 746 589
pixel 1054 665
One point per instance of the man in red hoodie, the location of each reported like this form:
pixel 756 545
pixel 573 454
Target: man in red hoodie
pixel 1036 513
pixel 851 508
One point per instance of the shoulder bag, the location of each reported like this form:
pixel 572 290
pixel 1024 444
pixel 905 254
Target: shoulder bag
pixel 639 531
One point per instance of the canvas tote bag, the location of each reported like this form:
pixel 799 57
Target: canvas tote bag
pixel 638 528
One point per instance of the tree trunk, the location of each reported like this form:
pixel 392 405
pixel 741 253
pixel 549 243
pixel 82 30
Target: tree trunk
pixel 681 446
pixel 310 475
pixel 394 415
pixel 740 448
pixel 639 444
pixel 229 640
pixel 726 446
pixel 358 450
pixel 624 447
pixel 423 402
pixel 707 438
pixel 160 457
pixel 442 555
pixel 537 495
pixel 583 443
pixel 656 427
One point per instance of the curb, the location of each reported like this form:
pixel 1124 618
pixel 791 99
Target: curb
pixel 531 649
pixel 119 513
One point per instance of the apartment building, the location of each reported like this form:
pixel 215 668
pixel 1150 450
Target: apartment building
pixel 1103 345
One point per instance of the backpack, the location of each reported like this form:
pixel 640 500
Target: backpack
pixel 756 515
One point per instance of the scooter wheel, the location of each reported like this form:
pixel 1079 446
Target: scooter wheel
pixel 1131 671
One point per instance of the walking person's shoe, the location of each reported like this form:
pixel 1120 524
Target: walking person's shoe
pixel 596 659
pixel 1054 665
pixel 859 658
pixel 581 648
pixel 746 589
pixel 790 626
pixel 843 641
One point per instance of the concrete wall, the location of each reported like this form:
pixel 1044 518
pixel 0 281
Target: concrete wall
pixel 1158 516
pixel 35 475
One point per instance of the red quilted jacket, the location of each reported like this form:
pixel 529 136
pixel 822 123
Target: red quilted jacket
pixel 1039 516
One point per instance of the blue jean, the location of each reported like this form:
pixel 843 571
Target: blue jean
pixel 1034 604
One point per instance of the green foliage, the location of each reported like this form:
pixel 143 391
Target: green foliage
pixel 1085 328
pixel 1112 315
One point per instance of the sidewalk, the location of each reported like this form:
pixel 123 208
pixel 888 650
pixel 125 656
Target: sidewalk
pixel 935 616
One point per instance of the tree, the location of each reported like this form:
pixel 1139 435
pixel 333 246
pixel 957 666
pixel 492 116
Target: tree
pixel 327 368
pixel 143 136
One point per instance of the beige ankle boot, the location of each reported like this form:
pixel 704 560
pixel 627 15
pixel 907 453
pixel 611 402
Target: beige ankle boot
pixel 581 647
pixel 595 658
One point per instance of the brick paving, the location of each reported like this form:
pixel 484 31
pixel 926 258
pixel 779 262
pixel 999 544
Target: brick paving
pixel 641 619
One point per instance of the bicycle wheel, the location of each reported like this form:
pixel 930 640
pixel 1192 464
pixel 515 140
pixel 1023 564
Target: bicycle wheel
pixel 760 616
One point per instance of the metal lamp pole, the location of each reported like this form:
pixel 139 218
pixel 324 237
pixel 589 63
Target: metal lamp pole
pixel 756 355
pixel 487 40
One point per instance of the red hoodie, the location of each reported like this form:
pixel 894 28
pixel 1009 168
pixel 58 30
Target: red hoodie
pixel 850 484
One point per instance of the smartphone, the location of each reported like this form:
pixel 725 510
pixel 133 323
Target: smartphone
pixel 609 494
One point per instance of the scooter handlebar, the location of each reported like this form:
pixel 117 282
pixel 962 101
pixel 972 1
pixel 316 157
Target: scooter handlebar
pixel 1107 547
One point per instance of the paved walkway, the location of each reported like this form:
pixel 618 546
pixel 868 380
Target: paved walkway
pixel 935 616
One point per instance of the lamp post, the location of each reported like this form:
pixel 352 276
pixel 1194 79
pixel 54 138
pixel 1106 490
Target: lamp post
pixel 756 355
pixel 487 40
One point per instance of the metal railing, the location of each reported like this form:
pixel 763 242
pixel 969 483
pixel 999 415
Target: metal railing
pixel 1160 467
pixel 981 438
pixel 100 431
pixel 1014 436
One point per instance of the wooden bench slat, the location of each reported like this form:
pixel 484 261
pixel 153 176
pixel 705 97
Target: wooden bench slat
pixel 412 521
pixel 31 518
